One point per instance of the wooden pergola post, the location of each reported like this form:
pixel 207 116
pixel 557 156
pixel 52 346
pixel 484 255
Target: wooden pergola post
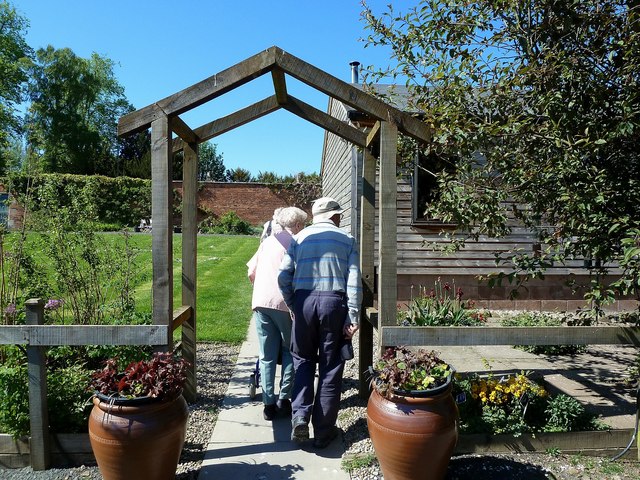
pixel 162 227
pixel 39 443
pixel 189 261
pixel 367 241
pixel 387 227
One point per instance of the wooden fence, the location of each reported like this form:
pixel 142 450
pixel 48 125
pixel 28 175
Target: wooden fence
pixel 37 337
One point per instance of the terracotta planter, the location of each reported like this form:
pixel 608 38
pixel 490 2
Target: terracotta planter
pixel 413 436
pixel 137 438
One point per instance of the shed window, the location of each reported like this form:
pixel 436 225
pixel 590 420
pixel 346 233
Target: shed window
pixel 425 185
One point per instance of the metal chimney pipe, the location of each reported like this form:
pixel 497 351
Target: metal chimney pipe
pixel 354 71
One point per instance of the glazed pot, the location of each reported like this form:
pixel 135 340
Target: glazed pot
pixel 413 433
pixel 139 437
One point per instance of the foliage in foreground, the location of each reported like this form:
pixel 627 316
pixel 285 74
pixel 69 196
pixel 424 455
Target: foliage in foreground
pixel 534 104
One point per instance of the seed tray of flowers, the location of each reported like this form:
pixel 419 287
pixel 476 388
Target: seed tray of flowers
pixel 514 403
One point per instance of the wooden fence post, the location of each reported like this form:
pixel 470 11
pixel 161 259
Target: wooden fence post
pixel 38 412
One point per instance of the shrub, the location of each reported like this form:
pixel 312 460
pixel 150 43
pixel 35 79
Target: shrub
pixel 541 319
pixel 509 404
pixel 566 414
pixel 229 224
pixel 69 370
pixel 14 400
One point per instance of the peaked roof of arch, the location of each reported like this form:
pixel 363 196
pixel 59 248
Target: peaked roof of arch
pixel 279 63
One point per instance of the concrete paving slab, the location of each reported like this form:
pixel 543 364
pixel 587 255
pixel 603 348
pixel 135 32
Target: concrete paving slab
pixel 244 446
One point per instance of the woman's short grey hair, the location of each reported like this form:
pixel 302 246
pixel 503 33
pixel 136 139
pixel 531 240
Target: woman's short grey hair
pixel 291 216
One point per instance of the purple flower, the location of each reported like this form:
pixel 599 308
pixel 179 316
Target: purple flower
pixel 10 309
pixel 53 304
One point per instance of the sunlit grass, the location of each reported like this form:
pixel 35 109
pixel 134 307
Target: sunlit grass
pixel 223 290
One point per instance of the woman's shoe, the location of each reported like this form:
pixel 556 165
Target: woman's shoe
pixel 270 411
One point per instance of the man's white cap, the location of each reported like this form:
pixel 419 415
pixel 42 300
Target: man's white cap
pixel 324 208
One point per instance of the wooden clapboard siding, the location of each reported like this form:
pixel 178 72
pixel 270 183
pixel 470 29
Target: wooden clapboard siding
pixel 339 171
pixel 416 255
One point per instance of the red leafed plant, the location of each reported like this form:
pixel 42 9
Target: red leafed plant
pixel 163 376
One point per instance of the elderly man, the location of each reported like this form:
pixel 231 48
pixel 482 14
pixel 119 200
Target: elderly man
pixel 320 282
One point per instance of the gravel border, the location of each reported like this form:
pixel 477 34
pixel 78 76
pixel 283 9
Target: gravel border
pixel 216 363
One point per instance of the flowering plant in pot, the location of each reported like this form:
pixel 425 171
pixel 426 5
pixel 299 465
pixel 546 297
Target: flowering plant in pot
pixel 402 371
pixel 138 423
pixel 411 414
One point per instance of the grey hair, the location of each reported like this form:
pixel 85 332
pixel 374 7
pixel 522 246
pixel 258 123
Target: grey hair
pixel 291 216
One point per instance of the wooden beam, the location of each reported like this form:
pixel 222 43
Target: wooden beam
pixel 465 336
pixel 326 121
pixel 40 452
pixel 387 227
pixel 180 315
pixel 199 93
pixel 162 232
pixel 280 85
pixel 367 269
pixel 597 443
pixel 189 264
pixel 352 96
pixel 374 134
pixel 234 120
pixel 183 130
pixel 51 335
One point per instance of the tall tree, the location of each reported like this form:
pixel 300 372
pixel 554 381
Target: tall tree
pixel 211 166
pixel 14 55
pixel 72 120
pixel 134 155
pixel 239 175
pixel 536 104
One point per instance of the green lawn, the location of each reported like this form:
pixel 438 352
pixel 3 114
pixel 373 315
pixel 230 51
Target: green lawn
pixel 223 289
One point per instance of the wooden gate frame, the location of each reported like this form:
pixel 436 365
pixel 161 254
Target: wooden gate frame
pixel 163 117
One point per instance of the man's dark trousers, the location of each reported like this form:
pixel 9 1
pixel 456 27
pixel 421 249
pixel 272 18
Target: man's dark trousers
pixel 316 337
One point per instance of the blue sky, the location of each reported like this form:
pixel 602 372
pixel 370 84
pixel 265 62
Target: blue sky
pixel 161 47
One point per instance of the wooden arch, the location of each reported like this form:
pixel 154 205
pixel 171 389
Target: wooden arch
pixel 163 117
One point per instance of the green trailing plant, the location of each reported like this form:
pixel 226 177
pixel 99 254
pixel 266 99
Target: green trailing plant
pixel 541 319
pixel 441 306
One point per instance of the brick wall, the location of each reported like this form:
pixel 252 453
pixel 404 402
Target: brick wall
pixel 253 202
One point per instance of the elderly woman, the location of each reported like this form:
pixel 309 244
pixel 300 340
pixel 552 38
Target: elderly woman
pixel 270 313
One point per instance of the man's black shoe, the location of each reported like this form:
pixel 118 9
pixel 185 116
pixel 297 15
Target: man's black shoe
pixel 299 430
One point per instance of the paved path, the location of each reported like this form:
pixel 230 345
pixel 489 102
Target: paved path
pixel 244 446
